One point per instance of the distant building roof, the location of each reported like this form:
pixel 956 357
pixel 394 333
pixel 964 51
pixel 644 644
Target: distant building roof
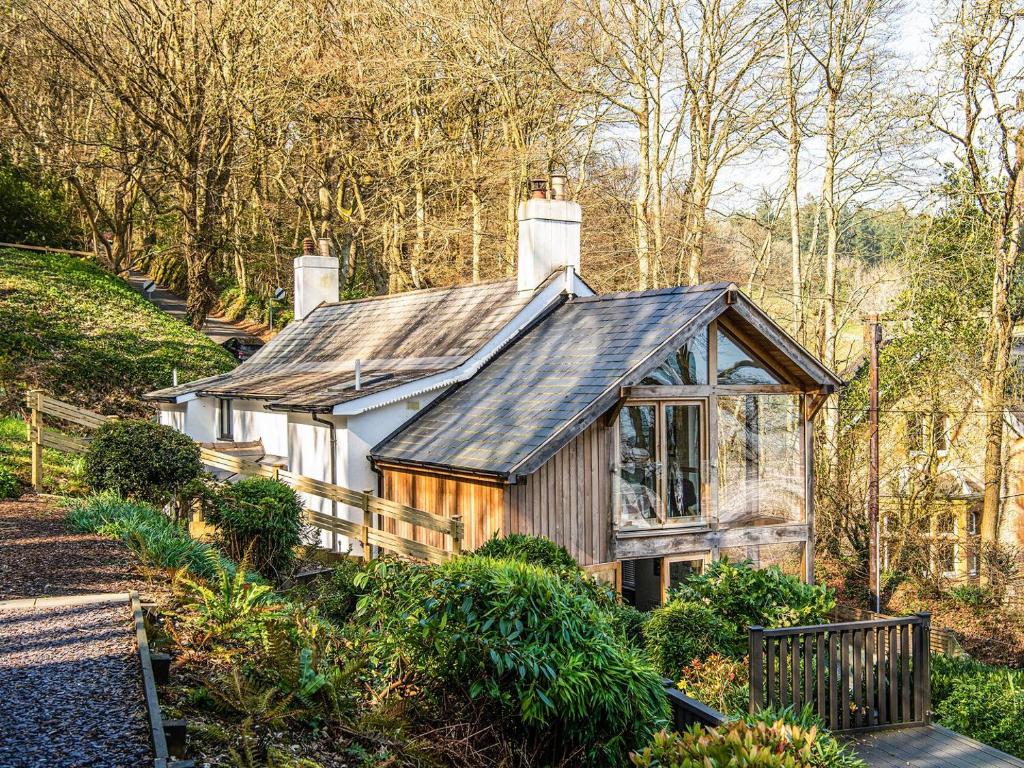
pixel 397 339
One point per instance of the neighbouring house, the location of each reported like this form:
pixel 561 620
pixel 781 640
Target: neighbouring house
pixel 655 429
pixel 931 475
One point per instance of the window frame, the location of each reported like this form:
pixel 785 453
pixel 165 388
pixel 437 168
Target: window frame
pixel 661 520
pixel 704 556
pixel 225 419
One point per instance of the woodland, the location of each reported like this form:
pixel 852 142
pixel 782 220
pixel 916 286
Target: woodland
pixel 835 159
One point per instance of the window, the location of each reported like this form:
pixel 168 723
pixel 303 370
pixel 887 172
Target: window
pixel 738 366
pixel 915 432
pixel 760 459
pixel 689 365
pixel 973 543
pixel 638 462
pixel 940 432
pixel 224 430
pixel 660 460
pixel 679 569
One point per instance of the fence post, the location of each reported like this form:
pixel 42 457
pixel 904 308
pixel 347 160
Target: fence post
pixel 922 669
pixel 367 523
pixel 756 662
pixel 456 535
pixel 35 436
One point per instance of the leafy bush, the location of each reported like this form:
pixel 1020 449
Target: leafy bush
pixel 336 596
pixel 748 596
pixel 10 488
pixel 141 459
pixel 826 752
pixel 158 541
pixel 778 745
pixel 259 520
pixel 33 208
pixel 629 622
pixel 516 637
pixel 680 631
pixel 528 549
pixel 718 681
pixel 981 701
pixel 973 595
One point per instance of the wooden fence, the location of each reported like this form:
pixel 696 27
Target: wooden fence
pixel 367 531
pixel 858 675
pixel 943 641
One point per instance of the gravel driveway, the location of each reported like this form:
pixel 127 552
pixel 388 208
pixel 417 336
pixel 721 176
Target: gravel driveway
pixel 70 688
pixel 39 556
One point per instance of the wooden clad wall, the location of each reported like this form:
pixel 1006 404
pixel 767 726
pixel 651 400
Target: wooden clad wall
pixel 479 501
pixel 568 500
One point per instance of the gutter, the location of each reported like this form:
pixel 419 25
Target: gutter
pixel 334 468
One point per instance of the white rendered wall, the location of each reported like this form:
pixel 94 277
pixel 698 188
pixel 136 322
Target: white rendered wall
pixel 172 415
pixel 251 421
pixel 201 419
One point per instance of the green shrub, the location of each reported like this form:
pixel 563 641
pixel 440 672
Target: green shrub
pixel 718 681
pixel 517 638
pixel 259 520
pixel 826 752
pixel 157 540
pixel 141 459
pixel 735 744
pixel 981 701
pixel 680 631
pixel 629 622
pixel 748 596
pixel 528 549
pixel 10 488
pixel 972 595
pixel 336 596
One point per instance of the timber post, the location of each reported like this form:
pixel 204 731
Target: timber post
pixel 367 523
pixel 922 669
pixel 35 437
pixel 755 660
pixel 457 531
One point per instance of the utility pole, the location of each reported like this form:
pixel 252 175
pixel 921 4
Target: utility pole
pixel 874 560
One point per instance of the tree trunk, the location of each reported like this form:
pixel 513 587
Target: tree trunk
pixel 796 271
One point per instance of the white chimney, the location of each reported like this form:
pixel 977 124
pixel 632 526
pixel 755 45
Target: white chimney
pixel 549 235
pixel 316 279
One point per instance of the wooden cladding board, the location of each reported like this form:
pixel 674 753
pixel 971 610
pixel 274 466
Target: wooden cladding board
pixel 480 503
pixel 568 499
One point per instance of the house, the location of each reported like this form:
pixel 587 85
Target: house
pixel 932 438
pixel 658 429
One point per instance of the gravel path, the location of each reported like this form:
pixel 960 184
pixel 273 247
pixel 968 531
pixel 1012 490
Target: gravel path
pixel 39 556
pixel 71 688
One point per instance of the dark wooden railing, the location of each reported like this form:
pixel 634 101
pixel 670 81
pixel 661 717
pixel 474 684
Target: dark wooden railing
pixel 687 711
pixel 857 675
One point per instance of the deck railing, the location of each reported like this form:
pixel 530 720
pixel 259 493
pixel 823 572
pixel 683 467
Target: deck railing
pixel 367 531
pixel 858 675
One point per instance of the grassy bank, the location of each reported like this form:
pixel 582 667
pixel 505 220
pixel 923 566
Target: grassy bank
pixel 84 335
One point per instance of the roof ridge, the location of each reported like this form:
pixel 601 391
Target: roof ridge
pixel 667 291
pixel 415 292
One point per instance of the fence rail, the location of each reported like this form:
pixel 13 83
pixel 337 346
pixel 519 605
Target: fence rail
pixel 858 675
pixel 372 508
pixel 942 641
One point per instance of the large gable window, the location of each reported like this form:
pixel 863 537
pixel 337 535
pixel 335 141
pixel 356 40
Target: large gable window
pixel 738 366
pixel 689 365
pixel 660 463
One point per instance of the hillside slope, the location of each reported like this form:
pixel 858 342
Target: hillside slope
pixel 71 328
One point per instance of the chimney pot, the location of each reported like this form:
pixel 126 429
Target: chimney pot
pixel 558 186
pixel 538 189
pixel 324 244
pixel 308 247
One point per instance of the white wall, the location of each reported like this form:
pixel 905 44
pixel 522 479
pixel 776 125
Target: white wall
pixel 201 419
pixel 251 421
pixel 172 415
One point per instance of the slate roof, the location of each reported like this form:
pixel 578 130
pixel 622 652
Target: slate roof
pixel 397 339
pixel 510 417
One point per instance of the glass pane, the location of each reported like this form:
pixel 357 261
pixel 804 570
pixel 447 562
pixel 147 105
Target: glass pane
pixel 680 570
pixel 760 468
pixel 689 365
pixel 682 472
pixel 737 366
pixel 638 464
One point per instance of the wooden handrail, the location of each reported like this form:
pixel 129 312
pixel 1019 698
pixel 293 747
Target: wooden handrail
pixel 372 506
pixel 47 249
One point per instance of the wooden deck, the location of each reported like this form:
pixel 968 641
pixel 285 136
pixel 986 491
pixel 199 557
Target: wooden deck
pixel 929 746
